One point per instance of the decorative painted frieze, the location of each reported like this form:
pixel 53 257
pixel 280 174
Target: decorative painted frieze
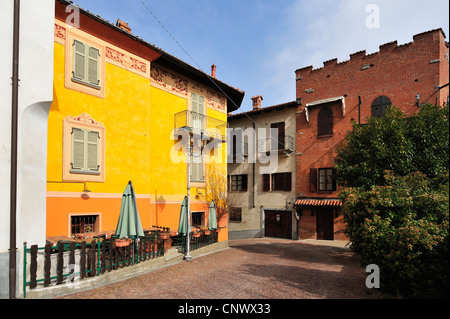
pixel 175 84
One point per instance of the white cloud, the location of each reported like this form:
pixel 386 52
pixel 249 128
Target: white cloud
pixel 312 32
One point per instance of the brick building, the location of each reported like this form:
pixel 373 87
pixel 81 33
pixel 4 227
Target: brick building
pixel 329 97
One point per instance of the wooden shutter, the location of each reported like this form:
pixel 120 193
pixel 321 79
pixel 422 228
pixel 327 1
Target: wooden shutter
pixel 277 142
pixel 197 167
pixel 313 180
pixel 194 170
pixel 266 182
pixel 244 182
pixel 288 182
pixel 334 180
pixel 197 111
pixel 325 122
pixel 79 60
pixel 77 149
pixel 93 69
pixel 92 151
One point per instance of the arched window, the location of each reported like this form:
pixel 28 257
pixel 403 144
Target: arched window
pixel 379 106
pixel 325 122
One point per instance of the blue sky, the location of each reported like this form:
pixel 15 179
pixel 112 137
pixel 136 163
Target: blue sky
pixel 258 44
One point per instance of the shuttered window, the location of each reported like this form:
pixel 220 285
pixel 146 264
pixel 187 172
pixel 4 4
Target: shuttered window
pixel 322 180
pixel 235 214
pixel 379 106
pixel 85 152
pixel 277 182
pixel 86 64
pixel 266 183
pixel 325 122
pixel 282 182
pixel 238 183
pixel 197 111
pixel 197 167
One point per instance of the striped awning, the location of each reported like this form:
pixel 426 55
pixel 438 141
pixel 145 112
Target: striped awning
pixel 319 202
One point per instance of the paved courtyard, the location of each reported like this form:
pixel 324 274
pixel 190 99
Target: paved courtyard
pixel 265 268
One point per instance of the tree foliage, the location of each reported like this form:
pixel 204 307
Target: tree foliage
pixel 395 173
pixel 396 143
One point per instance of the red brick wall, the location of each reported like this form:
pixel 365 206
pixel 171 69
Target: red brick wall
pixel 396 71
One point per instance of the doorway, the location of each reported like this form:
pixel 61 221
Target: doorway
pixel 324 227
pixel 278 224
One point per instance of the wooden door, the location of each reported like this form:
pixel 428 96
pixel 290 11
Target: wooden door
pixel 324 224
pixel 278 224
pixel 277 142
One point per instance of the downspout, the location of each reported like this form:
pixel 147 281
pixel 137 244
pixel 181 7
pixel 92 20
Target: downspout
pixel 14 124
pixel 253 164
pixel 359 109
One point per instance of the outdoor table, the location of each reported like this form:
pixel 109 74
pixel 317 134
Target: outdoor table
pixel 54 240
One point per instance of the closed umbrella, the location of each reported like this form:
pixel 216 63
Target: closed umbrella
pixel 183 226
pixel 129 224
pixel 212 219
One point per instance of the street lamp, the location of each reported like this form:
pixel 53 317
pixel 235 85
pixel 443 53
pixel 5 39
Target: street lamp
pixel 192 140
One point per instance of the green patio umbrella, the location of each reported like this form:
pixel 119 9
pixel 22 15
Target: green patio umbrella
pixel 129 224
pixel 212 219
pixel 183 227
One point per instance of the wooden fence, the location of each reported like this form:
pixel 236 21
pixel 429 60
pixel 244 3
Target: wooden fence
pixel 94 259
pixel 197 240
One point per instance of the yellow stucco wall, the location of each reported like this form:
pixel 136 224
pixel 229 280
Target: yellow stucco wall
pixel 138 119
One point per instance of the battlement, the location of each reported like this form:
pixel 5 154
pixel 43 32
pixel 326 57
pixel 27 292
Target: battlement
pixel 390 47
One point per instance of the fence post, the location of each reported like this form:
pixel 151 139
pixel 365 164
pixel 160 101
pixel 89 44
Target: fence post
pixel 92 255
pixel 83 260
pixel 60 264
pixel 33 267
pixel 25 270
pixel 103 256
pixel 72 260
pixel 111 255
pixel 47 265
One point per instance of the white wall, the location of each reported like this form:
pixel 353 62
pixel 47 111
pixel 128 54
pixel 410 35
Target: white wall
pixel 35 97
pixel 252 217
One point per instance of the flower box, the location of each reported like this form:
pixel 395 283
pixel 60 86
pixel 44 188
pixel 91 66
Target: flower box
pixel 124 242
pixel 164 236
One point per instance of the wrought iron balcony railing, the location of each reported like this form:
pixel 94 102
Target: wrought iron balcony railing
pixel 286 145
pixel 201 124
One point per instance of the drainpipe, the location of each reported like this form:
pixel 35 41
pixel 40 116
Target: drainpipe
pixel 14 123
pixel 253 165
pixel 359 109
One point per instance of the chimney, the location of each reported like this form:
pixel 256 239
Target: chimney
pixel 123 25
pixel 257 102
pixel 213 70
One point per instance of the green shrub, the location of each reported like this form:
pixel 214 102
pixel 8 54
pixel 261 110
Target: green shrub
pixel 403 228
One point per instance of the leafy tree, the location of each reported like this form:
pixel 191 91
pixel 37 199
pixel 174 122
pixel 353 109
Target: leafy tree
pixel 395 173
pixel 396 143
pixel 403 228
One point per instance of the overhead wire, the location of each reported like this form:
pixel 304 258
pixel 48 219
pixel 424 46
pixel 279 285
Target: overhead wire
pixel 199 67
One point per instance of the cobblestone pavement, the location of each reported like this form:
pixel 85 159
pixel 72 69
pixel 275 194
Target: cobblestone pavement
pixel 265 268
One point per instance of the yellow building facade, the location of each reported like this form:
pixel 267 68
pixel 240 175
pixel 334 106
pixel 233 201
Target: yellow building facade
pixel 118 102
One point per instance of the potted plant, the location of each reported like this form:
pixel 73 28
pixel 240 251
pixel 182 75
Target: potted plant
pixel 123 242
pixel 164 236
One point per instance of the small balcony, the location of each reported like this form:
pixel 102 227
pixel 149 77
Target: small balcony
pixel 197 123
pixel 285 145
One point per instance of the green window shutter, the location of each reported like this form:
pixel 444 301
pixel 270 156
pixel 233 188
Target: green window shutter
pixel 194 169
pixel 198 110
pixel 92 151
pixel 197 168
pixel 93 69
pixel 79 61
pixel 77 149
